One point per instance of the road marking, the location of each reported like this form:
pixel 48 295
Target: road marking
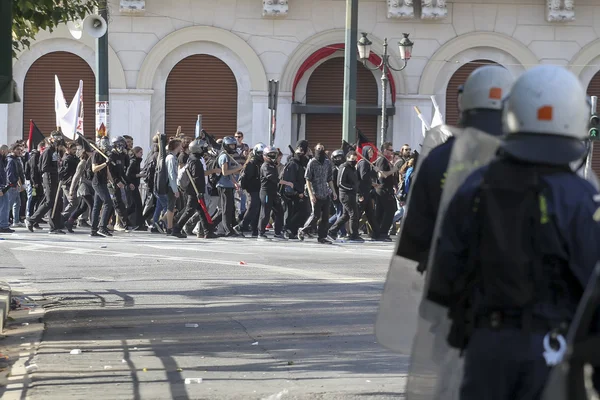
pixel 310 274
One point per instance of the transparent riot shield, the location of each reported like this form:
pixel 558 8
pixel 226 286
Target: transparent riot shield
pixel 435 370
pixel 395 330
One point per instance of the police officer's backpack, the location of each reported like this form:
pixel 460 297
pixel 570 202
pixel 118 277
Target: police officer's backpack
pixel 512 253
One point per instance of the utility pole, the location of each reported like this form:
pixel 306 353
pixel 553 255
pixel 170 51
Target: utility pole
pixel 8 89
pixel 350 63
pixel 102 106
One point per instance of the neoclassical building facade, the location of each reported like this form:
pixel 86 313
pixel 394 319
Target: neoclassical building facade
pixel 172 60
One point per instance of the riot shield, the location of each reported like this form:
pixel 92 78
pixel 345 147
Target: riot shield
pixel 435 370
pixel 395 326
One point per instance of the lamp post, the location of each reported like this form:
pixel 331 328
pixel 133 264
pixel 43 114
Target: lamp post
pixel 364 51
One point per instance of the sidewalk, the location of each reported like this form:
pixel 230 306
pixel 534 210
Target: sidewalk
pixel 19 340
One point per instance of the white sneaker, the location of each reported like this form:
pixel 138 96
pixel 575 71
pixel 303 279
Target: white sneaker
pixel 17 225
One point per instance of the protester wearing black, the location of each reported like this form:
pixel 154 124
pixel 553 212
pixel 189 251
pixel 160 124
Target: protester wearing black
pixel 49 165
pixel 366 176
pixel 338 158
pixel 270 201
pixel 294 197
pixel 195 193
pixel 65 174
pixel 348 186
pixel 102 198
pixel 149 172
pixel 134 174
pixel 386 203
pixel 319 178
pixel 34 176
pixel 250 182
pixel 81 186
pixel 118 173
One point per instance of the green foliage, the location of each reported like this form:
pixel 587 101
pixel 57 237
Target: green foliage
pixel 32 16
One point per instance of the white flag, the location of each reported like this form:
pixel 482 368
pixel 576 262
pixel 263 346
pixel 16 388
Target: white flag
pixel 438 118
pixel 68 121
pixel 60 104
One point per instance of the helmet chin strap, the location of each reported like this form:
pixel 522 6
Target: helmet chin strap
pixel 587 154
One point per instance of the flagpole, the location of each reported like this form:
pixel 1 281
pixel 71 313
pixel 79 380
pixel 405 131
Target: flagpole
pixel 102 98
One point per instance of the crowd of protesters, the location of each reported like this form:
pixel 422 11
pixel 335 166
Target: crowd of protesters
pixel 204 187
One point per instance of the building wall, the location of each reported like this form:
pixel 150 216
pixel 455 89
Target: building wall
pixel 145 47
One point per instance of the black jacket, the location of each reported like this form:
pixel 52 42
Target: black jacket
pixel 197 172
pixel 347 179
pixel 49 161
pixel 32 168
pixel 252 174
pixel 133 170
pixel 117 168
pixel 366 176
pixel 269 178
pixel 68 169
pixel 294 172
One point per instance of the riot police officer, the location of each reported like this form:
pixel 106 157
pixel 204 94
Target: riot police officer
pixel 481 108
pixel 519 242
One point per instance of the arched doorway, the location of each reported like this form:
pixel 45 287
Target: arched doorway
pixel 201 84
pixel 594 90
pixel 326 88
pixel 39 88
pixel 459 78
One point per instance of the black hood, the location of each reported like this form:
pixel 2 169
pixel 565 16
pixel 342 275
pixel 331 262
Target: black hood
pixel 364 152
pixel 488 121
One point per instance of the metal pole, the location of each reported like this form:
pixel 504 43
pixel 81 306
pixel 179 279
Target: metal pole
pixel 102 105
pixel 350 64
pixel 384 81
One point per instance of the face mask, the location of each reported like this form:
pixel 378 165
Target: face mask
pixel 320 155
pixel 352 163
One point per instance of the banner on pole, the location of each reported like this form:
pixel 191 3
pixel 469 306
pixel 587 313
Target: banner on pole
pixel 102 112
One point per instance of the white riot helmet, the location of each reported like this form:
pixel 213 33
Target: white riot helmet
pixel 546 116
pixel 259 148
pixel 485 88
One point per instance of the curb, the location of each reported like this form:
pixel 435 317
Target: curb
pixel 22 336
pixel 5 299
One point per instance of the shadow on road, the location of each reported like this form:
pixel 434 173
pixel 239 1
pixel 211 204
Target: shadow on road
pixel 138 344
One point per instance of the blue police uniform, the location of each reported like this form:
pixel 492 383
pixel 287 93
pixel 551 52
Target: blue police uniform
pixel 506 361
pixel 425 200
pixel 419 221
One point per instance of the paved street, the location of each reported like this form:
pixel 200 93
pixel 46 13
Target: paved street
pixel 253 320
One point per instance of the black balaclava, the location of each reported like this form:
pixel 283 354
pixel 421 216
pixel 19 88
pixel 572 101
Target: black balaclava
pixel 320 156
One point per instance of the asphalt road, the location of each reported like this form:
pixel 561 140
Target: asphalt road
pixel 253 320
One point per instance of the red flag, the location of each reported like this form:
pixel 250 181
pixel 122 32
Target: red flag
pixel 203 205
pixel 35 136
pixel 360 147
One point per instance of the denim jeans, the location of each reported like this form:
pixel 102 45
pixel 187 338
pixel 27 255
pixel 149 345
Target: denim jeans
pixel 102 201
pixel 4 211
pixel 339 208
pixel 14 203
pixel 162 200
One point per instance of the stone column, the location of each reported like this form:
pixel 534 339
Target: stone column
pixel 407 127
pixel 130 115
pixel 4 124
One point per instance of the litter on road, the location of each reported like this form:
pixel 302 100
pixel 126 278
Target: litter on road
pixel 76 351
pixel 189 381
pixel 191 325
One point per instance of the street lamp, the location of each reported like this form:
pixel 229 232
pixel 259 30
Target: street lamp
pixel 364 51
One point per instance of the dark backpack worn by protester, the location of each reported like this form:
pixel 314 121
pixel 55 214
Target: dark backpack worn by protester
pixel 516 254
